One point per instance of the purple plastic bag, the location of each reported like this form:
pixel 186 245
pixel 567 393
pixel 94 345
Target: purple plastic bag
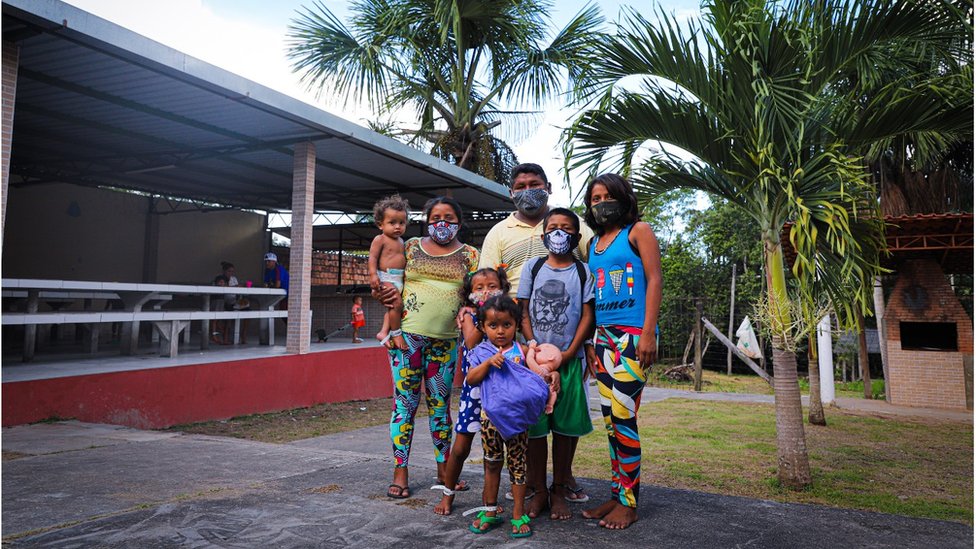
pixel 513 396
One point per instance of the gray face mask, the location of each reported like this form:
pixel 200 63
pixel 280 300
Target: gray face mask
pixel 608 211
pixel 530 201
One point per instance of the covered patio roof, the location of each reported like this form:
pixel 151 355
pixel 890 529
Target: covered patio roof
pixel 946 238
pixel 99 105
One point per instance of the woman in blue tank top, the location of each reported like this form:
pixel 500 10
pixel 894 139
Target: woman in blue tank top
pixel 625 258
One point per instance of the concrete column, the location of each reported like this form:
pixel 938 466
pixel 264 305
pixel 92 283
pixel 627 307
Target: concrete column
pixel 825 359
pixel 11 60
pixel 300 264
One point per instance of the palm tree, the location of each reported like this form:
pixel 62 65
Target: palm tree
pixel 455 62
pixel 751 91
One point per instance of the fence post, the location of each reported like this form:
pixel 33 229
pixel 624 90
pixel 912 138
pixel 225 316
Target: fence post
pixel 698 343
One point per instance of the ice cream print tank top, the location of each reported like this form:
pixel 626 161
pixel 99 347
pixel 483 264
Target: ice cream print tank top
pixel 621 288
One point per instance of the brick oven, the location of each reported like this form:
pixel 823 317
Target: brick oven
pixel 929 340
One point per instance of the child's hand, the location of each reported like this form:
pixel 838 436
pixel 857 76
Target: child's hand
pixel 465 312
pixel 374 282
pixel 565 357
pixel 591 362
pixel 497 360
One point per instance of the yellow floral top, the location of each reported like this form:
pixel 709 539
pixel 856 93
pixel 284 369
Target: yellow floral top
pixel 430 289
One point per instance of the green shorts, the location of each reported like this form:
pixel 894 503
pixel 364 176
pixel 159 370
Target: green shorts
pixel 571 414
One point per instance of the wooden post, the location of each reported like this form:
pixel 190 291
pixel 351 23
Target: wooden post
pixel 862 349
pixel 728 356
pixel 691 341
pixel 698 344
pixel 725 341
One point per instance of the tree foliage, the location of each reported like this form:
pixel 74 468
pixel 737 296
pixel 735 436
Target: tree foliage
pixel 456 63
pixel 759 92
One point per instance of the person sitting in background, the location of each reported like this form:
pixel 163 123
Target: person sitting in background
pixel 219 333
pixel 234 302
pixel 276 276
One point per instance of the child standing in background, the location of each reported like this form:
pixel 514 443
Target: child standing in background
pixel 358 318
pixel 387 261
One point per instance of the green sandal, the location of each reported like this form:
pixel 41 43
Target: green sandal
pixel 517 525
pixel 484 519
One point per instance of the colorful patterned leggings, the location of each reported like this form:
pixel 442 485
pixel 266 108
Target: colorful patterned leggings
pixel 621 379
pixel 430 361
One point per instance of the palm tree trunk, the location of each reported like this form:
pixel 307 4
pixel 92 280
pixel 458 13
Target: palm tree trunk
pixel 816 414
pixel 791 446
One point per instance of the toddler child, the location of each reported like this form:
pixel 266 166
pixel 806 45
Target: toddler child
pixel 358 318
pixel 477 288
pixel 387 261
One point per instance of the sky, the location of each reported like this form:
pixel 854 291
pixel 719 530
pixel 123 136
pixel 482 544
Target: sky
pixel 248 38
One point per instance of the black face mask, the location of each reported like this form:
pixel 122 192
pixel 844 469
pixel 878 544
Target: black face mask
pixel 608 211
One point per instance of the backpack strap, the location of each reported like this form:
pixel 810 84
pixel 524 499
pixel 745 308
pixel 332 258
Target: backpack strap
pixel 536 268
pixel 580 271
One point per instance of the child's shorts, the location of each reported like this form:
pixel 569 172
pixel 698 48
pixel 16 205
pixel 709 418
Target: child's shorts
pixel 571 414
pixel 358 323
pixel 495 449
pixel 393 276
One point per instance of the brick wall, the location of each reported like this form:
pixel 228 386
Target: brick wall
pixel 934 379
pixel 325 267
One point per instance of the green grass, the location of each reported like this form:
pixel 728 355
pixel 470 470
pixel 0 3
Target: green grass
pixel 906 467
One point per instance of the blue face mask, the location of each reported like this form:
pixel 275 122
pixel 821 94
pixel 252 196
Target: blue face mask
pixel 443 232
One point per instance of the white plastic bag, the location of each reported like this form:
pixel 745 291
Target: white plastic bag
pixel 747 339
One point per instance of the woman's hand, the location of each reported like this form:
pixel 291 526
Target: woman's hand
pixel 388 295
pixel 647 349
pixel 591 362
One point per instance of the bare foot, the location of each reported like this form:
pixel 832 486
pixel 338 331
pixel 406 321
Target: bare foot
pixel 381 335
pixel 538 504
pixel 399 343
pixel 445 506
pixel 619 518
pixel 557 501
pixel 601 511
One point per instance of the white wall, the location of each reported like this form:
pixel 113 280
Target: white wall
pixel 63 231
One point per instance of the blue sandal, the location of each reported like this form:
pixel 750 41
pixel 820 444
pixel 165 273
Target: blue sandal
pixel 517 525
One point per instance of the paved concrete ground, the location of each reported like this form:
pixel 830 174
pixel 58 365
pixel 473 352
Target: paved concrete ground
pixel 88 485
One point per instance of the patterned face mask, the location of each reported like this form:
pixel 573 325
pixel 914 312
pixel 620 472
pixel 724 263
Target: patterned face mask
pixel 608 211
pixel 560 242
pixel 530 201
pixel 479 298
pixel 443 232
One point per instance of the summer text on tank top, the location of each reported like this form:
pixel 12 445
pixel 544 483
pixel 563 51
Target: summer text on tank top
pixel 621 288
